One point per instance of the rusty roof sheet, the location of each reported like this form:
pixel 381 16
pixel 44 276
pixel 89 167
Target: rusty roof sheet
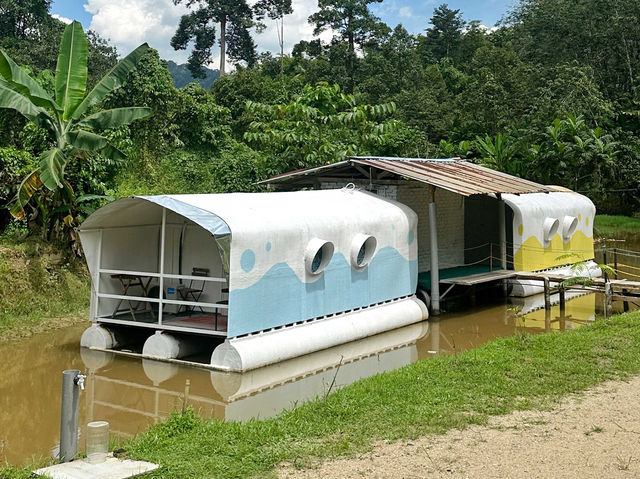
pixel 456 175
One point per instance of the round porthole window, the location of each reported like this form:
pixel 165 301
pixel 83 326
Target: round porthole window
pixel 318 255
pixel 569 226
pixel 550 228
pixel 363 247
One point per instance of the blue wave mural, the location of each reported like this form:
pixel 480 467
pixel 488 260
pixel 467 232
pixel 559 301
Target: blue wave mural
pixel 279 297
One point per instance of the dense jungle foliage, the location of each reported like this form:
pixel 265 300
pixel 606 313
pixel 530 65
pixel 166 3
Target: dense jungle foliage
pixel 551 94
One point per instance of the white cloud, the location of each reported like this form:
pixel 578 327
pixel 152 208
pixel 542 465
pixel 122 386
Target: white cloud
pixel 296 28
pixel 61 18
pixel 405 12
pixel 128 23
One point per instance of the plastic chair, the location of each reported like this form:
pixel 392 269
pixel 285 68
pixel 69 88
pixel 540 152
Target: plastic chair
pixel 192 292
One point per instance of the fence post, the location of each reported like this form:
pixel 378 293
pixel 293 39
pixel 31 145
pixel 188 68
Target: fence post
pixel 490 256
pixel 604 261
pixel 615 263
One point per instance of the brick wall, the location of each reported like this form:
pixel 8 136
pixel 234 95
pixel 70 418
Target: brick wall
pixel 450 220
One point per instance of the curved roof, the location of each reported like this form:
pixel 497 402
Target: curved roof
pixel 222 214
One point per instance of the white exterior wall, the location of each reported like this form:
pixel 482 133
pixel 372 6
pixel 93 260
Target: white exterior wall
pixel 450 211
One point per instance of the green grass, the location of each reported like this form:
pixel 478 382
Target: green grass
pixel 430 396
pixel 608 225
pixel 39 287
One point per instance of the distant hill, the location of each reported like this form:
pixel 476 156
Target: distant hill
pixel 182 76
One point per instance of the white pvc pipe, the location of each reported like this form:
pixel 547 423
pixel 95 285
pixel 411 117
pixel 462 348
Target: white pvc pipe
pixel 435 268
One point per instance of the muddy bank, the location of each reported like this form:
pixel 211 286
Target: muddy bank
pixel 591 435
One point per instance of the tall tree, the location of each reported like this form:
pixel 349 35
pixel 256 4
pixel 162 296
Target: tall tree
pixel 275 10
pixel 19 18
pixel 234 18
pixel 446 31
pixel 352 21
pixel 68 118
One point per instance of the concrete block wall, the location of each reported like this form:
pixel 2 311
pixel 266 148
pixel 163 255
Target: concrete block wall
pixel 450 222
pixel 450 219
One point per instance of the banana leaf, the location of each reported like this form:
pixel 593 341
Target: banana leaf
pixel 51 165
pixel 87 141
pixel 26 190
pixel 14 100
pixel 22 82
pixel 71 70
pixel 106 119
pixel 112 80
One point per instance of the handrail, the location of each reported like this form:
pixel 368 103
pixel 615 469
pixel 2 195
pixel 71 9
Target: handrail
pixel 157 275
pixel 164 301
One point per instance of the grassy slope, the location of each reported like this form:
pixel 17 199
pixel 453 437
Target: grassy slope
pixel 430 396
pixel 606 225
pixel 39 289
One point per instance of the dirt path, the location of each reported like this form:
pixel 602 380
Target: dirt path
pixel 592 435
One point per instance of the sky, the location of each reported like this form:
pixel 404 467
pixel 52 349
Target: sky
pixel 128 23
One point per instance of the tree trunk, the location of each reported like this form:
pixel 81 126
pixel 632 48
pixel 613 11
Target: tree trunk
pixel 223 44
pixel 352 52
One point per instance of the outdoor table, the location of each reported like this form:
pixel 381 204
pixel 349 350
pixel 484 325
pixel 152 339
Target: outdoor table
pixel 128 281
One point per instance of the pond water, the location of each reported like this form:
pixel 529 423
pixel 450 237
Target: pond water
pixel 132 394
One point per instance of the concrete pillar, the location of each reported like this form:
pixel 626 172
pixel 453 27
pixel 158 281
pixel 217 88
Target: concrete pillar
pixel 435 268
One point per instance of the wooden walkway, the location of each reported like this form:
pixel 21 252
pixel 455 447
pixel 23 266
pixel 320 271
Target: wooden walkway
pixel 480 278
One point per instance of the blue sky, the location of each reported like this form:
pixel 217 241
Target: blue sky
pixel 127 23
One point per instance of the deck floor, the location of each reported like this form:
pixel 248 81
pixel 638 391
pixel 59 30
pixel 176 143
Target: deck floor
pixel 465 276
pixel 195 319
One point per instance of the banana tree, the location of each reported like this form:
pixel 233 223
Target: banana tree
pixel 69 118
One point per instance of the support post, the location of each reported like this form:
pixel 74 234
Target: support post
pixel 615 263
pixel 96 282
pixel 563 303
pixel 604 261
pixel 547 294
pixel 502 233
pixel 608 299
pixel 161 281
pixel 490 256
pixel 72 382
pixel 433 242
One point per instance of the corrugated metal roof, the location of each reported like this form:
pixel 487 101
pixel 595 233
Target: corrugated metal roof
pixel 454 174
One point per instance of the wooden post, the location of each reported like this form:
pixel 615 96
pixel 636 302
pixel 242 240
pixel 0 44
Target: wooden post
pixel 547 320
pixel 563 302
pixel 625 304
pixel 490 256
pixel 604 261
pixel 607 299
pixel 547 294
pixel 615 263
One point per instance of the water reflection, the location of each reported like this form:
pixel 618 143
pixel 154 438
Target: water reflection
pixel 132 394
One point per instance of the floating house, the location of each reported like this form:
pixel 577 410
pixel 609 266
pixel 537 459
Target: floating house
pixel 275 275
pixel 476 226
pixel 340 253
